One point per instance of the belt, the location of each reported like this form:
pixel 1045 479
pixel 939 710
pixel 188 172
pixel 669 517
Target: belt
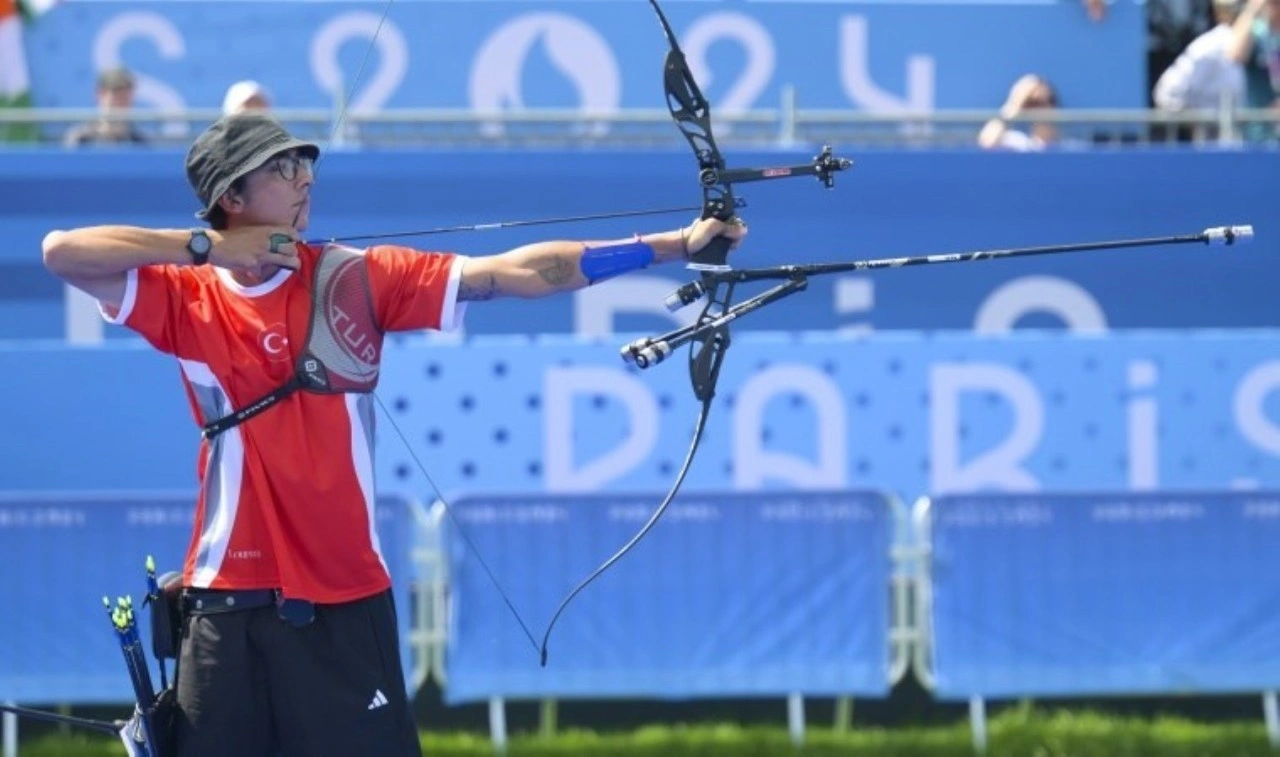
pixel 295 612
pixel 208 602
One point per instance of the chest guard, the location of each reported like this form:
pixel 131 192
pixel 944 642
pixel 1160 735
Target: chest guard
pixel 343 350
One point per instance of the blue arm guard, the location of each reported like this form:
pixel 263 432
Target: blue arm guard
pixel 600 263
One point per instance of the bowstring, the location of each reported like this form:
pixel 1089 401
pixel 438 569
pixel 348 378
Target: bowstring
pixel 346 102
pixel 355 81
pixel 457 525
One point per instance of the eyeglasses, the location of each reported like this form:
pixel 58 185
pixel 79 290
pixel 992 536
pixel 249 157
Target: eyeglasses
pixel 289 165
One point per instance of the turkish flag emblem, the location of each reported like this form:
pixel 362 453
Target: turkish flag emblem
pixel 275 342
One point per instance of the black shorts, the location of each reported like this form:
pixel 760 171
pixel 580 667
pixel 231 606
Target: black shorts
pixel 251 685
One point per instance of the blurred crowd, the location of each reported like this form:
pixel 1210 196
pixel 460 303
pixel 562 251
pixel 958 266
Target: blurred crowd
pixel 114 95
pixel 1204 56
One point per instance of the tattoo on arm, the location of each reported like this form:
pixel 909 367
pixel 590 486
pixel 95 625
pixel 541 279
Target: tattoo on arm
pixel 557 272
pixel 484 290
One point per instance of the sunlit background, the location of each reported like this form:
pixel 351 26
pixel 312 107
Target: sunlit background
pixel 934 498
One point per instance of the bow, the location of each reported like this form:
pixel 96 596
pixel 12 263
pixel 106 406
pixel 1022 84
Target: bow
pixel 710 333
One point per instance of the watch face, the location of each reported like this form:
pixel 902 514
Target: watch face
pixel 200 243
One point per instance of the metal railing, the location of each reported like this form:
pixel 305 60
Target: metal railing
pixel 786 126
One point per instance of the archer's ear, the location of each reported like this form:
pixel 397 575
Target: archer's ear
pixel 231 202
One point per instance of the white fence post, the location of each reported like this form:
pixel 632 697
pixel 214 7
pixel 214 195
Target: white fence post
pixel 795 718
pixel 9 728
pixel 1271 714
pixel 498 724
pixel 978 721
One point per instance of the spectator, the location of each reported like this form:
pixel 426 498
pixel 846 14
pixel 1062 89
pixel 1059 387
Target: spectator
pixel 244 96
pixel 115 89
pixel 1256 45
pixel 1029 95
pixel 1204 75
pixel 1171 26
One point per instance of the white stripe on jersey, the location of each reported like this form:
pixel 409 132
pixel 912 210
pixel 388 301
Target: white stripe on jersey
pixel 362 441
pixel 126 302
pixel 222 483
pixel 453 312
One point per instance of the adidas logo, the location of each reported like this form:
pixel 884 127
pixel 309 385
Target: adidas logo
pixel 379 700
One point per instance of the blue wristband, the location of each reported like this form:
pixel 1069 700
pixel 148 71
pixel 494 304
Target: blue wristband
pixel 600 263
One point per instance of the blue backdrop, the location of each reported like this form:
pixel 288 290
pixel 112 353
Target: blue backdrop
pixel 490 55
pixel 1105 593
pixel 729 595
pixel 908 414
pixel 891 203
pixel 67 550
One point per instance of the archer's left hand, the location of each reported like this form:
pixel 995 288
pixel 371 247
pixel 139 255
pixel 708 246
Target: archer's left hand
pixel 701 232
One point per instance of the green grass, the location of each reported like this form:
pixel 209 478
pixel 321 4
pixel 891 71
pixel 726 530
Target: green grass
pixel 1017 732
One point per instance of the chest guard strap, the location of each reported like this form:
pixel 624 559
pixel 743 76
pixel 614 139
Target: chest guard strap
pixel 343 351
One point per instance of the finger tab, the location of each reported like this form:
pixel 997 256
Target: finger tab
pixel 277 240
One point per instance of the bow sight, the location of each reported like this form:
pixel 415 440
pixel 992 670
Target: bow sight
pixel 823 166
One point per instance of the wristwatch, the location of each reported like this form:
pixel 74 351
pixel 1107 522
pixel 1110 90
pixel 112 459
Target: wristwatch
pixel 199 246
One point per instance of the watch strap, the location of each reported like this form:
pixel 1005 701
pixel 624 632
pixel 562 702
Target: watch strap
pixel 199 249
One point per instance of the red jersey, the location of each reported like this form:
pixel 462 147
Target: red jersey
pixel 286 498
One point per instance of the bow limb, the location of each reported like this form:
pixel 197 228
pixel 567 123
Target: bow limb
pixel 634 540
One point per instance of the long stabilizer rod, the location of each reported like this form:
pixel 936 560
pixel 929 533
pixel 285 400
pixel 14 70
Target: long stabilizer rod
pixel 1217 235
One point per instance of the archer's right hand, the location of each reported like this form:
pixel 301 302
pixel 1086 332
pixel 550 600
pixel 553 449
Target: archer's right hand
pixel 248 249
